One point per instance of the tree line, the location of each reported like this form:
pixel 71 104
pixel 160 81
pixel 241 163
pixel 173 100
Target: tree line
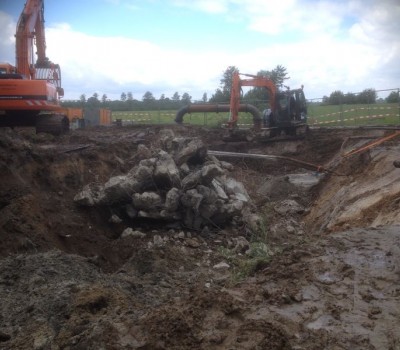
pixel 256 95
pixel 128 103
pixel 367 96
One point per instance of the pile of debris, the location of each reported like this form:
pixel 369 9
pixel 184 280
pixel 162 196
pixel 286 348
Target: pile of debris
pixel 179 183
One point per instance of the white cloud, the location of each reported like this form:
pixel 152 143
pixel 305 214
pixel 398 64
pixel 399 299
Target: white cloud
pixel 275 17
pixel 327 46
pixel 7 40
pixel 208 6
pixel 90 62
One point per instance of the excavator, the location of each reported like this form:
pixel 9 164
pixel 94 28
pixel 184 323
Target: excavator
pixel 287 113
pixel 30 92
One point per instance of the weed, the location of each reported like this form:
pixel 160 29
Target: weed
pixel 256 258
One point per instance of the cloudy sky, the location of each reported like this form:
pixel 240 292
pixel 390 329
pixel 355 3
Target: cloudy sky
pixel 167 46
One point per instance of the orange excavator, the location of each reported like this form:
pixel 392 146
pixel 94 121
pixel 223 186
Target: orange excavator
pixel 30 92
pixel 287 112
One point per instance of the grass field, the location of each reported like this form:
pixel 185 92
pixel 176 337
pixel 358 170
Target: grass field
pixel 167 117
pixel 318 115
pixel 363 114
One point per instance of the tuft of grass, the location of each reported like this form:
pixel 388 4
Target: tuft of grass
pixel 255 259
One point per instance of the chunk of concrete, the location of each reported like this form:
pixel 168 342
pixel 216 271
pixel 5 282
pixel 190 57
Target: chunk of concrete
pixel 209 173
pixel 172 200
pixel 194 152
pixel 166 173
pixel 146 200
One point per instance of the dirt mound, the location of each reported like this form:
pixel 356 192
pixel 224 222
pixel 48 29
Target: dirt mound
pixel 320 272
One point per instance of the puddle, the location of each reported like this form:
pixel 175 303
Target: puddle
pixel 305 180
pixel 322 322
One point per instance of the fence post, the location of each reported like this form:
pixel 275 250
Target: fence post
pixel 398 102
pixel 369 107
pixel 341 110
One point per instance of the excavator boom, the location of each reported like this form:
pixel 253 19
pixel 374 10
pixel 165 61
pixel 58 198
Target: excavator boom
pixel 237 83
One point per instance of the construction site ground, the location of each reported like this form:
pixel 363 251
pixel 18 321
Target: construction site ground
pixel 326 274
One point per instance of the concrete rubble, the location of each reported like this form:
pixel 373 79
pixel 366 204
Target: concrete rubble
pixel 178 183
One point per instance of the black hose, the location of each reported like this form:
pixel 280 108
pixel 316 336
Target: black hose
pixel 197 108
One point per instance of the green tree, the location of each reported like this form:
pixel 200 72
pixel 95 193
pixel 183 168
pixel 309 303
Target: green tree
pixel 93 101
pixel 278 75
pixel 176 97
pixel 367 96
pixel 223 93
pixel 393 97
pixel 336 97
pixel 186 98
pixel 204 98
pixel 226 81
pixel 82 98
pixel 129 100
pixel 148 96
pixel 219 97
pixel 350 98
pixel 104 99
pixel 123 96
pixel 149 101
pixel 259 95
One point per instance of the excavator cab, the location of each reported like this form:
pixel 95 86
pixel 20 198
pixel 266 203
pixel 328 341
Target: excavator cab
pixel 7 71
pixel 6 68
pixel 290 112
pixel 290 107
pixel 50 72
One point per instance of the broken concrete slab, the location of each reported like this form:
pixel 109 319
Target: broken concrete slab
pixel 147 200
pixel 166 173
pixel 197 193
pixel 194 152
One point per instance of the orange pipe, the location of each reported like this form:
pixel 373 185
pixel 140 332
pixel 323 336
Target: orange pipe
pixel 370 145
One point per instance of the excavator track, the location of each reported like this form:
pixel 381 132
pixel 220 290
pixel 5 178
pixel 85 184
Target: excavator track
pixel 267 135
pixel 55 124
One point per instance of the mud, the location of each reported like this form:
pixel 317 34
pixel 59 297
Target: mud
pixel 322 272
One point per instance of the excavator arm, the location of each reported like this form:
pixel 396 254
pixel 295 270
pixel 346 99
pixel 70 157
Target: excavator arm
pixel 256 81
pixel 30 30
pixel 30 26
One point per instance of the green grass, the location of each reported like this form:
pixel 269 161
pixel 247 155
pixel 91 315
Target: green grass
pixel 350 115
pixel 168 117
pixel 318 115
pixel 257 257
pixel 245 265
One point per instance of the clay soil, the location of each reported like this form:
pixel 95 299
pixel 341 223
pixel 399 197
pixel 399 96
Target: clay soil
pixel 327 277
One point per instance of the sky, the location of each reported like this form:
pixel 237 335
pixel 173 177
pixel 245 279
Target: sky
pixel 166 46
